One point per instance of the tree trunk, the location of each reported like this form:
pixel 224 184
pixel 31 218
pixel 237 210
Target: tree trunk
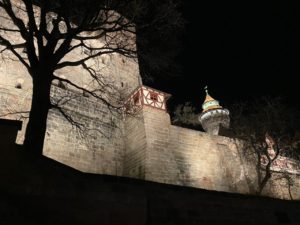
pixel 266 178
pixel 37 124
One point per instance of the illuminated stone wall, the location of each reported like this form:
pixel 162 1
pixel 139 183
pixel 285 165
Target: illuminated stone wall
pixel 144 146
pixel 100 148
pixel 186 157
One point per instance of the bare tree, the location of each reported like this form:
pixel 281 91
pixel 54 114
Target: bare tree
pixel 186 115
pixel 268 129
pixel 266 132
pixel 49 31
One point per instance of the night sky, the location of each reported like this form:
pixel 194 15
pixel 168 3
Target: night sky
pixel 241 50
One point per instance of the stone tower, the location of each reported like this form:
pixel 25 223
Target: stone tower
pixel 147 131
pixel 213 116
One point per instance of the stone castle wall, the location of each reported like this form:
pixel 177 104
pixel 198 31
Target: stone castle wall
pixel 147 146
pixel 144 146
pixel 135 147
pixel 191 158
pixel 95 147
pixel 181 156
pixel 98 149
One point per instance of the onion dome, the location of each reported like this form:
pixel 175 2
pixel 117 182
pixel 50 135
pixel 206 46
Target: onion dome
pixel 210 102
pixel 213 117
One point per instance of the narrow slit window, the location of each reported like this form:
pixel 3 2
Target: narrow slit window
pixel 136 98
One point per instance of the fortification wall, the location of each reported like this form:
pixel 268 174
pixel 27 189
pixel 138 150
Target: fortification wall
pixel 15 104
pixel 176 155
pixel 146 146
pixel 93 142
pixel 187 157
pixel 101 149
pixel 115 71
pixel 135 150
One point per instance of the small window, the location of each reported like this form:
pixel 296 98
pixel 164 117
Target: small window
pixel 153 96
pixel 136 98
pixel 19 83
pixel 18 86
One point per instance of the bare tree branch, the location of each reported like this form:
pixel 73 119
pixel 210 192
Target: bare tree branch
pixel 103 52
pixel 266 127
pixel 11 47
pixel 94 92
pixel 58 34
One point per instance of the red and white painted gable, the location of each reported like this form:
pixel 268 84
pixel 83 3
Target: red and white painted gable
pixel 146 96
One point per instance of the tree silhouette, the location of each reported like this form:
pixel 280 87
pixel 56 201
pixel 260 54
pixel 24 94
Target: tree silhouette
pixel 42 34
pixel 185 115
pixel 266 133
pixel 268 129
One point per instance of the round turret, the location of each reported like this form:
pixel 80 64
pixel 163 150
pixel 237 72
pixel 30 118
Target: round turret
pixel 213 116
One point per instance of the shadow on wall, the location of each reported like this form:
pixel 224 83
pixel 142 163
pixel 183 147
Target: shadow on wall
pixel 84 133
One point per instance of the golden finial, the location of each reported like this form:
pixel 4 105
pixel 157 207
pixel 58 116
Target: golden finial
pixel 206 89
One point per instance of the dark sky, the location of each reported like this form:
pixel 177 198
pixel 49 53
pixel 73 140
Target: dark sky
pixel 240 49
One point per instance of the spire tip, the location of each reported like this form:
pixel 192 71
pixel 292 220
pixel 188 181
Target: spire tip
pixel 206 89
